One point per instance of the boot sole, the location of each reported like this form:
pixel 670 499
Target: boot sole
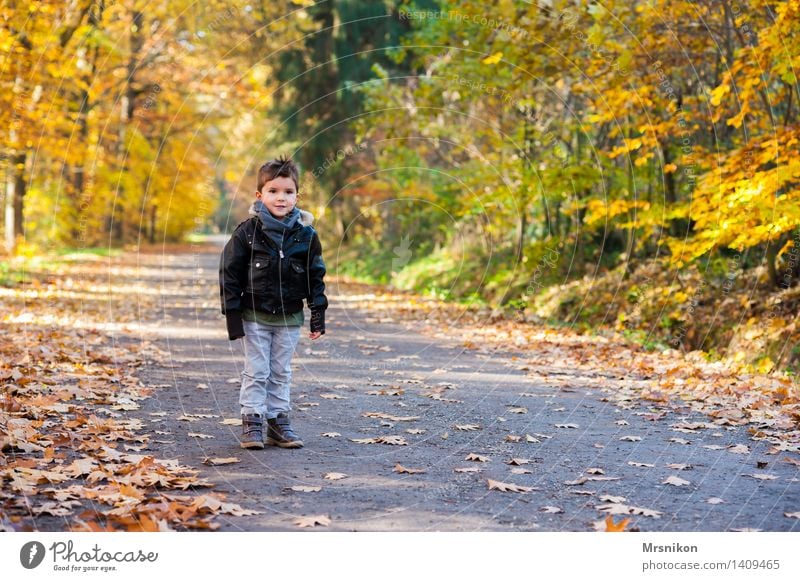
pixel 255 445
pixel 295 444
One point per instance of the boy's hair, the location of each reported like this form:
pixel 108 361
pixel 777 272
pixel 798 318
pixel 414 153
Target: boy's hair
pixel 279 168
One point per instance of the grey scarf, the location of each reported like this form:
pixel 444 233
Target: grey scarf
pixel 272 227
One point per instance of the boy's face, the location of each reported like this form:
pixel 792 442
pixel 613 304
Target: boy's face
pixel 279 196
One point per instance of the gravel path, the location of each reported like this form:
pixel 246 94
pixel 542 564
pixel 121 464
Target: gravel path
pixel 360 354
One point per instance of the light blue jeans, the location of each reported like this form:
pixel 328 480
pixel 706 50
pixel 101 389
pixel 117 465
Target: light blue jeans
pixel 267 374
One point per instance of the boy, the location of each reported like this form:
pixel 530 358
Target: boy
pixel 270 264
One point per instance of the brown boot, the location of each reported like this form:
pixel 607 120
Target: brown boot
pixel 252 431
pixel 279 432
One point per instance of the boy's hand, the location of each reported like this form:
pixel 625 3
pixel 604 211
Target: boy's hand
pixel 315 335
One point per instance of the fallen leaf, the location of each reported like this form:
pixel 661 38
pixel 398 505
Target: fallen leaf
pixel 507 487
pixel 331 434
pixel 675 481
pixel 302 488
pixel 680 466
pixel 631 438
pixel 310 521
pixel 196 435
pixel 390 417
pixel 403 470
pixel 739 449
pixel 761 476
pixel 221 461
pixel 477 458
pixel 566 425
pixel 609 498
pixel 641 464
pixel 334 475
pixel 612 527
pixel 467 427
pixel 551 509
pixel 715 500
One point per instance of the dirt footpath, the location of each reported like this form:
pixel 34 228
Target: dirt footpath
pixel 419 400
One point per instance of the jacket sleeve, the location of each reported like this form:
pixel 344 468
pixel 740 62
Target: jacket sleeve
pixel 317 301
pixel 233 273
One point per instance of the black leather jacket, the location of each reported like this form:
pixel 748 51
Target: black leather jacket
pixel 255 274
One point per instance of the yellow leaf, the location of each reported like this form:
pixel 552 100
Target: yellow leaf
pixel 493 59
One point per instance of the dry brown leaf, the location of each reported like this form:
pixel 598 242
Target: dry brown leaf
pixel 761 476
pixel 551 509
pixel 403 470
pixel 477 458
pixel 311 521
pixel 739 449
pixel 715 500
pixel 518 461
pixel 675 481
pixel 334 475
pixel 302 488
pixel 631 439
pixel 614 499
pixel 391 440
pixel 641 464
pixel 331 434
pixel 507 487
pixel 680 466
pixel 467 427
pixel 390 417
pixel 221 461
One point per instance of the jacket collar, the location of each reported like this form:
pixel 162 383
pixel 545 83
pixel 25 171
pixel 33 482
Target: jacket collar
pixel 305 219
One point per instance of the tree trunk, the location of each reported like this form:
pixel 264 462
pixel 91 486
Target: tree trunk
pixel 16 186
